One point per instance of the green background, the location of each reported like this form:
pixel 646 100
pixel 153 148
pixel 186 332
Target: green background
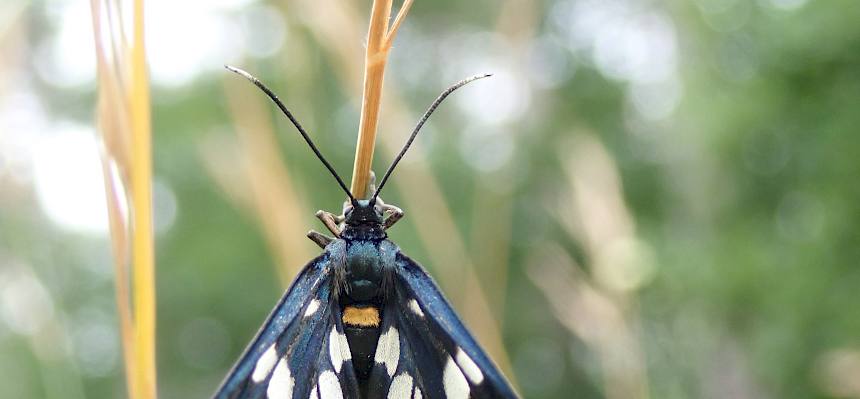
pixel 658 199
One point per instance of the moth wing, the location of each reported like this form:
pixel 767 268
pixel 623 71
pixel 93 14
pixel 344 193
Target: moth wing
pixel 300 349
pixel 436 356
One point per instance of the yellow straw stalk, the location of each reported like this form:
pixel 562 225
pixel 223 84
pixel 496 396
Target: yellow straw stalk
pixel 379 40
pixel 124 122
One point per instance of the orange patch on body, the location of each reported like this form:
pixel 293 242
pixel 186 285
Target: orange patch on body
pixel 362 317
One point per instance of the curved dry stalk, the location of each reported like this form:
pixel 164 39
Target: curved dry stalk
pixel 401 15
pixel 600 307
pixel 113 123
pixel 492 222
pixel 455 270
pixel 379 40
pixel 265 186
pixel 594 316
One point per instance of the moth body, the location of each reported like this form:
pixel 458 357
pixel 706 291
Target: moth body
pixel 363 320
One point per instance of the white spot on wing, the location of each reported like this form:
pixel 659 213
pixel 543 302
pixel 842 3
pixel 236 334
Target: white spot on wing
pixel 344 347
pixel 413 305
pixel 281 384
pixel 334 351
pixel 456 386
pixel 469 367
pixel 388 350
pixel 265 364
pixel 417 394
pixel 400 387
pixel 329 386
pixel 312 308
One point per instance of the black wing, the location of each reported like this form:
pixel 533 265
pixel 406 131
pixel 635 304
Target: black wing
pixel 300 351
pixel 425 351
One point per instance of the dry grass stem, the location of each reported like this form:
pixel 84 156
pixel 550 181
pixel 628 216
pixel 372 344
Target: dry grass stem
pixel 143 248
pixel 599 306
pixel 379 40
pixel 213 150
pixel 438 231
pixel 124 121
pixel 113 123
pixel 270 193
pixel 401 15
pixel 492 221
pixel 596 318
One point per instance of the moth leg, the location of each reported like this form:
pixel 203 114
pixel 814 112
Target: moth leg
pixel 320 239
pixel 395 214
pixel 338 218
pixel 330 221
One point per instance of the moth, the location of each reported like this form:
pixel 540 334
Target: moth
pixel 363 320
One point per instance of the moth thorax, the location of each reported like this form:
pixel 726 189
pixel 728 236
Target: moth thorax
pixel 363 271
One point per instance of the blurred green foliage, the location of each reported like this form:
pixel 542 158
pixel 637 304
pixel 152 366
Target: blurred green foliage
pixel 733 126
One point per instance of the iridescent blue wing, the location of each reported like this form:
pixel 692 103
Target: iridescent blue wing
pixel 424 350
pixel 300 351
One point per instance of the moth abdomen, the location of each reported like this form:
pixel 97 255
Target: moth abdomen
pixel 362 334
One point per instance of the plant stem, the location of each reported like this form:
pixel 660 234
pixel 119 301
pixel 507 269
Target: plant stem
pixel 379 40
pixel 143 259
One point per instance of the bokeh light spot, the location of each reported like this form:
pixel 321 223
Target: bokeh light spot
pixel 26 304
pixel 68 179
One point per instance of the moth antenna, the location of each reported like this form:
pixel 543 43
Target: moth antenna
pixel 296 123
pixel 420 124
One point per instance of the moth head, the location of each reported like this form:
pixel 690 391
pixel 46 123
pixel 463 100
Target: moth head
pixel 362 212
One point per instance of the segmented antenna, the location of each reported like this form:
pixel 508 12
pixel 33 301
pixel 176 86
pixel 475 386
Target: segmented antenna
pixel 296 123
pixel 418 126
